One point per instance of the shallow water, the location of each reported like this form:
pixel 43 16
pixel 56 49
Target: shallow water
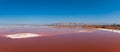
pixel 59 40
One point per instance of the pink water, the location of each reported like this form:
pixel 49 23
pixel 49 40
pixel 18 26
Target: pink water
pixel 59 40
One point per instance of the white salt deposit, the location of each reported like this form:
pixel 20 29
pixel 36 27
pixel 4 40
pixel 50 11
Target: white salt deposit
pixel 111 30
pixel 21 35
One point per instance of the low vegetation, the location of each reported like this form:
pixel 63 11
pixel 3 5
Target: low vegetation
pixel 102 26
pixel 77 25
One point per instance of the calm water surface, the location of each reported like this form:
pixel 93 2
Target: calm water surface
pixel 59 40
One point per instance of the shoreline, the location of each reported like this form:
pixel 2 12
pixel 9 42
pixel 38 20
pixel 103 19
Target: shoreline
pixel 110 30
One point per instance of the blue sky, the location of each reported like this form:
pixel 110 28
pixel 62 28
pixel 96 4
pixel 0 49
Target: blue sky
pixel 56 11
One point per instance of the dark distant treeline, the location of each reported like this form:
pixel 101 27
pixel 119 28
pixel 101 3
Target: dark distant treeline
pixel 114 26
pixel 78 25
